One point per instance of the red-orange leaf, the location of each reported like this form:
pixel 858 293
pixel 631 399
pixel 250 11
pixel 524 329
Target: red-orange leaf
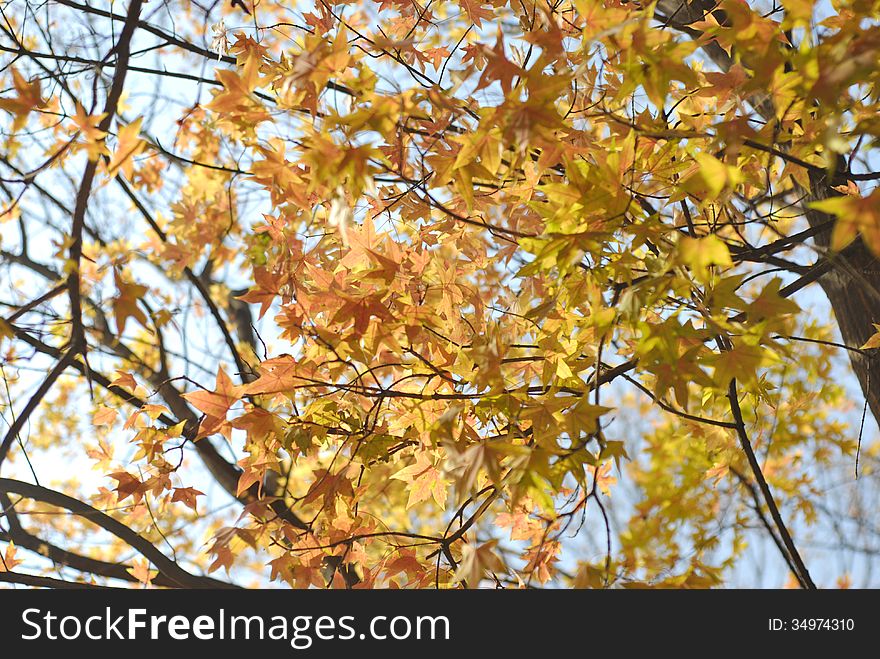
pixel 187 496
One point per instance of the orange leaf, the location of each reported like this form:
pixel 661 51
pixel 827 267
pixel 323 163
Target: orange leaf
pixel 125 380
pixel 127 486
pixel 29 98
pixel 105 416
pixel 128 145
pixel 186 495
pixel 476 11
pixel 141 571
pixel 9 560
pixel 125 305
pixel 217 403
pixel 247 479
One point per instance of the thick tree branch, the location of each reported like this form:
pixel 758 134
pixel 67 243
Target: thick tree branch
pixel 48 582
pixel 165 565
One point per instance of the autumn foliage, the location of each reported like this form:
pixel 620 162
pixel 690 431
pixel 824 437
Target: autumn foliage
pixel 434 294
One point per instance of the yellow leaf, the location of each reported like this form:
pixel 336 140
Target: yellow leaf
pixel 128 145
pixel 855 215
pixel 718 472
pixel 9 560
pixel 874 341
pixel 584 417
pixel 425 482
pixel 28 98
pixel 699 254
pixel 87 127
pixel 562 369
pixel 141 571
pixel 105 416
pixel 713 172
pixel 5 330
pixel 125 305
pixel 798 12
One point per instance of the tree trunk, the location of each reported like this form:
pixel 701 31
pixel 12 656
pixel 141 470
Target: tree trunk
pixel 853 289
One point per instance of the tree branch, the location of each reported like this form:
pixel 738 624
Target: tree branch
pixel 123 51
pixel 802 574
pixel 165 565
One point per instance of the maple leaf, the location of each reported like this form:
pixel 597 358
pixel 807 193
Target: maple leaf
pixel 105 416
pixel 874 341
pixel 474 53
pixel 28 99
pixel 770 305
pixel 406 562
pixel 476 561
pixel 386 269
pixel 128 145
pixel 223 558
pixel 141 571
pixel 717 473
pixel 473 460
pixel 265 291
pixel 714 173
pixel 102 454
pixel 498 67
pixel 327 486
pixel 361 311
pixel 542 415
pixel 187 495
pixel 248 478
pixel 522 527
pixel 476 11
pixel 87 127
pixel 584 417
pixel 850 189
pixel 9 560
pixel 215 404
pixel 236 98
pixel 220 39
pixel 425 482
pixel 257 422
pixel 436 55
pixel 276 375
pixel 702 253
pixel 128 486
pixel 125 304
pixel 104 499
pixel 741 362
pixel 723 84
pixel 604 479
pixel 856 216
pixel 6 331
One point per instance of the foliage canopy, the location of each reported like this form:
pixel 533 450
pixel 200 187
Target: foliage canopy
pixel 432 294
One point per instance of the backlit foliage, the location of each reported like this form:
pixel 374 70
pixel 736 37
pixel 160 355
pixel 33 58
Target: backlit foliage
pixel 421 294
